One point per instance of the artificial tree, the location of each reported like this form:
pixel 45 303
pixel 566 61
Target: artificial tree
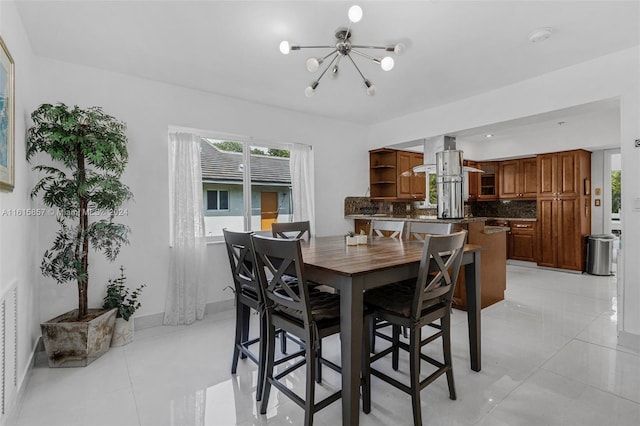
pixel 92 147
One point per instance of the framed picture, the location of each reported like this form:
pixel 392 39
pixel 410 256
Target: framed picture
pixel 7 119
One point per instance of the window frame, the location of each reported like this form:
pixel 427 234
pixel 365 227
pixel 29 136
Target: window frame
pixel 218 191
pixel 247 143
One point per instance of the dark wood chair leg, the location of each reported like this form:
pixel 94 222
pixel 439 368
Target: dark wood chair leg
pixel 238 338
pixel 311 383
pixel 318 363
pixel 372 333
pixel 262 357
pixel 396 347
pixel 283 342
pixel 448 359
pixel 246 314
pixel 268 374
pixel 414 373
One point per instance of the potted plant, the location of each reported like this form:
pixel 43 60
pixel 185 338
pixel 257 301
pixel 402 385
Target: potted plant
pixel 126 303
pixel 87 154
pixel 351 239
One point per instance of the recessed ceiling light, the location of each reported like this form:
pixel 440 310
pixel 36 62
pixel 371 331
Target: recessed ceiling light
pixel 488 135
pixel 541 34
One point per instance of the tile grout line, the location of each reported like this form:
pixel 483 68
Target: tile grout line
pixel 133 393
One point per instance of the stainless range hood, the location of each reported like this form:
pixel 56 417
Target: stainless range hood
pixel 450 180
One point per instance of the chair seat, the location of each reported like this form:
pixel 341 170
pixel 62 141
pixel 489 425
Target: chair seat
pixel 396 299
pixel 324 306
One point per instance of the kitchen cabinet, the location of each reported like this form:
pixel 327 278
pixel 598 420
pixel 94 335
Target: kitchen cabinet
pixel 563 209
pixel 488 181
pixel 382 173
pixel 522 241
pixel 410 185
pixel 519 179
pixel 493 272
pixel 391 178
pixel 473 180
pixel 561 173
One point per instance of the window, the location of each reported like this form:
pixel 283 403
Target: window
pixel 246 187
pixel 217 200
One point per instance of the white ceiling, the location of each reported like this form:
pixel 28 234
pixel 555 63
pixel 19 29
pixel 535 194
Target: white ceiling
pixel 455 49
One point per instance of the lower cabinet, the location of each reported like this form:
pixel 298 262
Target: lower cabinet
pixel 563 226
pixel 522 241
pixel 493 270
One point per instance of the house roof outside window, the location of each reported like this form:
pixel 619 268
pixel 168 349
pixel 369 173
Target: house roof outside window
pixel 224 166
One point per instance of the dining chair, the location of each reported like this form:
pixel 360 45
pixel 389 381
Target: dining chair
pixel 310 316
pixel 413 307
pixel 418 230
pixel 386 228
pixel 291 230
pixel 248 295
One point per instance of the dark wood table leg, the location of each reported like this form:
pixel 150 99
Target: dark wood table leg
pixel 351 306
pixel 473 284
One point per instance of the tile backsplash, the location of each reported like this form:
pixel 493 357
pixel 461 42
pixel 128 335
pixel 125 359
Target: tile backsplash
pixel 505 208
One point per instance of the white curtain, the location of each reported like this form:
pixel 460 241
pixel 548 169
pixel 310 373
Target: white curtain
pixel 302 177
pixel 186 293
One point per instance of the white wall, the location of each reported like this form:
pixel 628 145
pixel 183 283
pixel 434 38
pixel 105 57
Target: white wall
pixel 18 261
pixel 149 108
pixel 612 76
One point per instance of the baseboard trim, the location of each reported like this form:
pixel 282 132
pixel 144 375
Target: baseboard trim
pixel 154 320
pixel 629 340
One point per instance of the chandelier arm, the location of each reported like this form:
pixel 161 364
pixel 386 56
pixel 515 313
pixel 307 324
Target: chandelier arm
pixel 334 51
pixel 354 64
pixel 327 67
pixel 364 55
pixel 312 47
pixel 387 48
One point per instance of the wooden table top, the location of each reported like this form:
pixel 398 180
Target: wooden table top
pixel 333 254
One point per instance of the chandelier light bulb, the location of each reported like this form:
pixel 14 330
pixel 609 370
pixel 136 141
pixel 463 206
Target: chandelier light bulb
pixel 387 63
pixel 334 72
pixel 311 89
pixel 355 13
pixel 399 49
pixel 371 89
pixel 313 64
pixel 285 47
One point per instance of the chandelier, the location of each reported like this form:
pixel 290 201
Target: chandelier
pixel 343 49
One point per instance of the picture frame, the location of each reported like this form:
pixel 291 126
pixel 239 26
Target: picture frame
pixel 7 119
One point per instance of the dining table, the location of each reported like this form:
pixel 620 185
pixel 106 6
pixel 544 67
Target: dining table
pixel 354 269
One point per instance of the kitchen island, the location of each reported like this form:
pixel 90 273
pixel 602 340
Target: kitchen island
pixel 493 239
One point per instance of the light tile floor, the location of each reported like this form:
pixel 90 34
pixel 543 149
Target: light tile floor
pixel 549 358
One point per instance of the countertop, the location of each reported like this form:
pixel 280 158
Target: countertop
pixel 519 219
pixel 415 218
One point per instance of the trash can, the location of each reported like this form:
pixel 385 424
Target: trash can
pixel 600 254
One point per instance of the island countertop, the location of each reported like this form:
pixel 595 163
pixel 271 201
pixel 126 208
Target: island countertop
pixel 414 218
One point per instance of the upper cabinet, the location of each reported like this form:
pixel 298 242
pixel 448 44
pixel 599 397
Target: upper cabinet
pixel 410 185
pixel 488 181
pixel 519 179
pixel 559 174
pixel 473 181
pixel 391 176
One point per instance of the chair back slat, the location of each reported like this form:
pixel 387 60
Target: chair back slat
pixel 275 259
pixel 386 228
pixel 242 261
pixel 419 230
pixel 439 268
pixel 291 230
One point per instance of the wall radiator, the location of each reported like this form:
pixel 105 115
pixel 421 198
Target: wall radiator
pixel 9 349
